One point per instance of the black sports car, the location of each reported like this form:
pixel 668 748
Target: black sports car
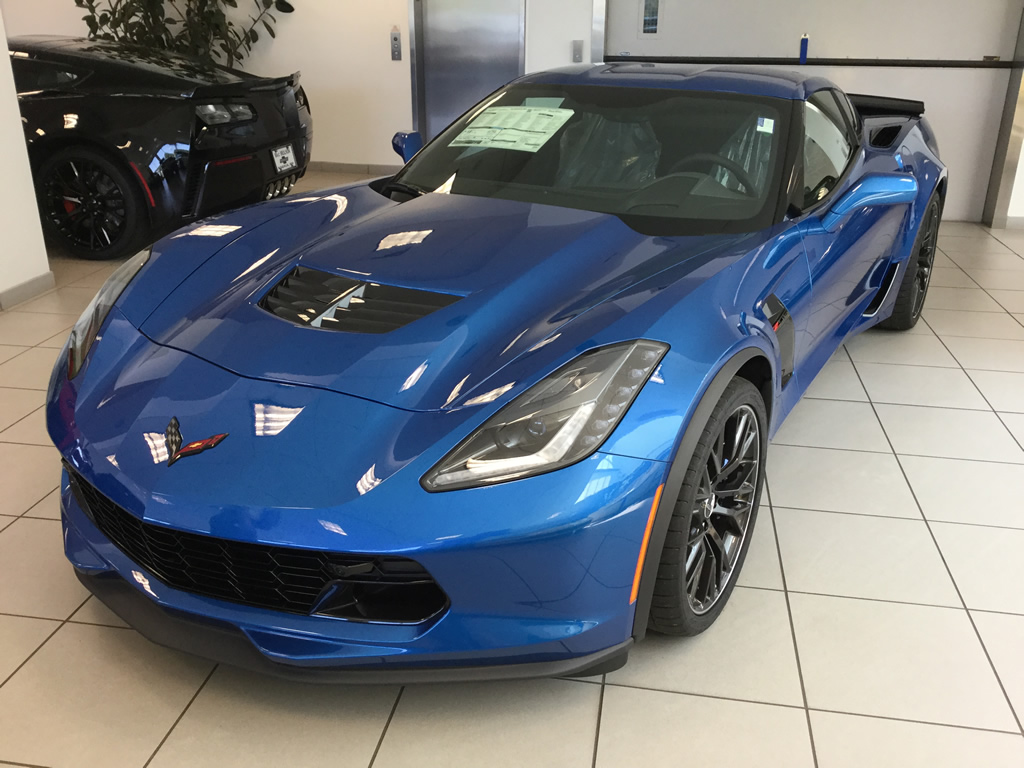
pixel 128 144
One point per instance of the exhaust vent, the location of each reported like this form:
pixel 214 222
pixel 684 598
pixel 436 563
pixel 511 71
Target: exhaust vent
pixel 324 300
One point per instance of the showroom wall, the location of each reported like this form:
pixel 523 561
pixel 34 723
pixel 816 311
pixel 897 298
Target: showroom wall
pixel 24 271
pixel 963 105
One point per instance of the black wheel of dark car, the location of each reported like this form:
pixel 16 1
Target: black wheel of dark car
pixel 713 518
pixel 914 285
pixel 89 205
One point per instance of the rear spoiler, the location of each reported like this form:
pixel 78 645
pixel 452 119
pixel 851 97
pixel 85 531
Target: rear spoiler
pixel 252 85
pixel 883 106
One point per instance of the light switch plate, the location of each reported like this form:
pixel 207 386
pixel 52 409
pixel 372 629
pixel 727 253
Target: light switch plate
pixel 396 45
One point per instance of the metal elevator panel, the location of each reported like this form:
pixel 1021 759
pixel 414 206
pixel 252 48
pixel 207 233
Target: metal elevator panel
pixel 464 49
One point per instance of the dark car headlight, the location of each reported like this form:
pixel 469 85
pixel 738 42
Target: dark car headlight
pixel 84 333
pixel 219 114
pixel 558 421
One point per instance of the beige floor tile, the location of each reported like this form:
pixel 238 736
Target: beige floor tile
pixel 761 566
pixel 67 270
pixel 536 723
pixel 977 325
pixel 894 660
pixel 987 354
pixel 8 352
pixel 48 508
pixel 669 730
pixel 19 637
pixel 860 556
pixel 900 348
pixel 1015 423
pixel 6 520
pixel 943 261
pixel 986 564
pixel 95 612
pixel 836 381
pixel 968 299
pixel 950 277
pixel 746 654
pixel 30 370
pixel 1003 637
pixel 16 404
pixel 35 578
pixel 951 229
pixel 56 341
pixel 833 424
pixel 955 246
pixel 95 696
pixel 1011 301
pixel 986 259
pixel 31 430
pixel 976 492
pixel 848 741
pixel 1004 390
pixel 29 328
pixel 245 720
pixel 1007 279
pixel 948 433
pixel 839 481
pixel 920 385
pixel 66 300
pixel 27 474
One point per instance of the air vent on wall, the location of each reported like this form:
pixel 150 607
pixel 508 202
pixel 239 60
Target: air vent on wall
pixel 334 302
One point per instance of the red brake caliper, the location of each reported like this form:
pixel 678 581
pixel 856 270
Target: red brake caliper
pixel 69 207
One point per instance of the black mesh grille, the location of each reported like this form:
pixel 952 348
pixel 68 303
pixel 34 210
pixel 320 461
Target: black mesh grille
pixel 362 587
pixel 322 300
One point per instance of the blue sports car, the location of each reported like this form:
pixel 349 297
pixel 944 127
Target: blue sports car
pixel 501 413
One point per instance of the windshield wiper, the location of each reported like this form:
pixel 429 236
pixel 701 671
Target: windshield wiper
pixel 401 186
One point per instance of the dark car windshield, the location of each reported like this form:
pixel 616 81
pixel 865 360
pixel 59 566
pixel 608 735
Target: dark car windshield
pixel 665 161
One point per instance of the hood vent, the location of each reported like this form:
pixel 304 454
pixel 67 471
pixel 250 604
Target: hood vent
pixel 324 300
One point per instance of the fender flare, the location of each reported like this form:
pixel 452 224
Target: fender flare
pixel 674 482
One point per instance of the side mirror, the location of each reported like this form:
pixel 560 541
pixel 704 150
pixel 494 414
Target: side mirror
pixel 873 189
pixel 407 144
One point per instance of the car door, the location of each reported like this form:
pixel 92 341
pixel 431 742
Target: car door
pixel 848 263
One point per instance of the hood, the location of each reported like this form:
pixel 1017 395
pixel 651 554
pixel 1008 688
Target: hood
pixel 500 276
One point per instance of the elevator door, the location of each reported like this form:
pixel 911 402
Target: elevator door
pixel 464 50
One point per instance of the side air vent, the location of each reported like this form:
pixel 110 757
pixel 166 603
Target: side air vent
pixel 883 137
pixel 322 300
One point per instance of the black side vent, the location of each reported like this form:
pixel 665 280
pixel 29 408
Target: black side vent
pixel 322 300
pixel 884 137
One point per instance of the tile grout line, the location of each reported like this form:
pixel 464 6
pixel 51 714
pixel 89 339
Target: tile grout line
pixel 57 629
pixel 22 765
pixel 180 716
pixel 875 516
pixel 980 286
pixel 888 453
pixel 600 714
pixel 792 624
pixel 952 579
pixel 384 731
pixel 35 504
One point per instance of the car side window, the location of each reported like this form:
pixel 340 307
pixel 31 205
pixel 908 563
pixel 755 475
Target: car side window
pixel 827 147
pixel 31 76
pixel 849 113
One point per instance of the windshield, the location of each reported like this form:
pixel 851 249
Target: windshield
pixel 666 161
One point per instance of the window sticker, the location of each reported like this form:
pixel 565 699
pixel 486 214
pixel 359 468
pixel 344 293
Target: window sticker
pixel 525 129
pixel 765 125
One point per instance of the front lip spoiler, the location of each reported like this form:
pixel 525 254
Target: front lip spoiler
pixel 226 644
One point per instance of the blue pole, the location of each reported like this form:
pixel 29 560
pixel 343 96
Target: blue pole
pixel 803 49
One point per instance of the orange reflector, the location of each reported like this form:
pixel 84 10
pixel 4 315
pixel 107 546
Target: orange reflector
pixel 643 544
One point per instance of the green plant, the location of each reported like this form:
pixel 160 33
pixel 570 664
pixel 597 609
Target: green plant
pixel 214 31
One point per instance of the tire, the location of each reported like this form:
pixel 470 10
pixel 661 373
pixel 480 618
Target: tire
pixel 675 609
pixel 90 206
pixel 918 274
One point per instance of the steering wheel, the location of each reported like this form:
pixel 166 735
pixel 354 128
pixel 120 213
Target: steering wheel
pixel 708 158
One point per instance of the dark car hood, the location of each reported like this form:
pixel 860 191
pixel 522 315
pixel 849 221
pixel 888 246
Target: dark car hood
pixel 520 271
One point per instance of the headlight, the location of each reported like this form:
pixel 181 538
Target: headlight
pixel 557 422
pixel 88 325
pixel 218 114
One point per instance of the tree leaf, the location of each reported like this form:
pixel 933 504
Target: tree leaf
pixel 270 29
pixel 283 6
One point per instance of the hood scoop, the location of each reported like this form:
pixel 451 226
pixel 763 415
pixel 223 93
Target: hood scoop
pixel 334 302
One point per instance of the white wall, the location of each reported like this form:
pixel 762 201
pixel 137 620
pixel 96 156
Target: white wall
pixel 964 106
pixel 23 257
pixel 551 26
pixel 359 96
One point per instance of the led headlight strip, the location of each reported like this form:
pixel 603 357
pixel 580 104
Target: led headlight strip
pixel 560 420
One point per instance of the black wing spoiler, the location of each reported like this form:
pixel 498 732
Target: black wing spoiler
pixel 244 87
pixel 883 106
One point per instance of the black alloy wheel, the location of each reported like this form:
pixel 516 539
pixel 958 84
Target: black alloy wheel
pixel 89 205
pixel 713 516
pixel 913 289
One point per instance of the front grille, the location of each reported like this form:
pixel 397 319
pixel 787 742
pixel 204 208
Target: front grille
pixel 324 300
pixel 359 587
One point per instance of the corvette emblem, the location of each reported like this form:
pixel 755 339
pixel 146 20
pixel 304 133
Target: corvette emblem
pixel 175 450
